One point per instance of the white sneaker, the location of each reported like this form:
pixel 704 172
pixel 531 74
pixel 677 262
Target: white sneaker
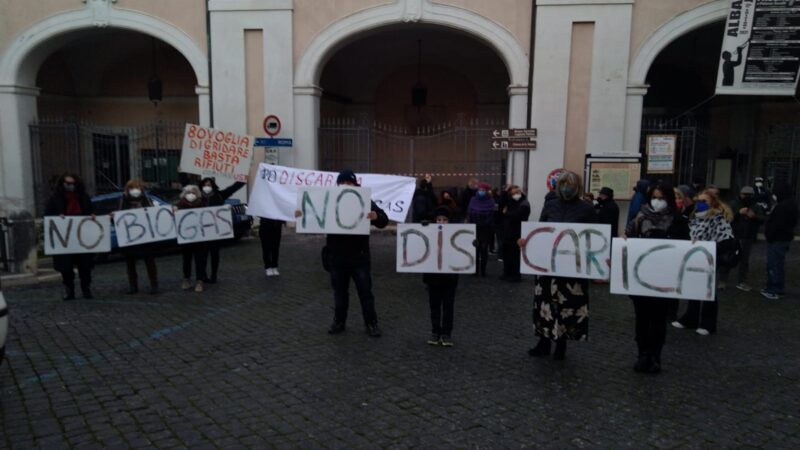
pixel 268 272
pixel 275 271
pixel 744 287
pixel 677 324
pixel 702 332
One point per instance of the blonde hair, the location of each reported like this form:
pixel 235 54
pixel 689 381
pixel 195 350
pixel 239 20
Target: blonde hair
pixel 717 206
pixel 134 183
pixel 573 179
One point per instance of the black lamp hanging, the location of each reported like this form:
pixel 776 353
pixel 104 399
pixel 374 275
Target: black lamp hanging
pixel 419 93
pixel 155 88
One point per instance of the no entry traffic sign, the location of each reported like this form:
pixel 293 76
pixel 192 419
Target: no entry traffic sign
pixel 272 125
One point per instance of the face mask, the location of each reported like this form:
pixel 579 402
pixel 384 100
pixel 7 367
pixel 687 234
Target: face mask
pixel 679 204
pixel 701 206
pixel 135 193
pixel 191 198
pixel 568 192
pixel 701 214
pixel 658 204
pixel 69 187
pixel 774 197
pixel 759 184
pixel 207 190
pixel 481 194
pixel 516 197
pixel 747 201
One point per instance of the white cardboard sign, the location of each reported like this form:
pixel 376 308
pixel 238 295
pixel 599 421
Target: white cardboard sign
pixel 216 153
pixel 436 248
pixel 144 225
pixel 664 268
pixel 274 192
pixel 336 210
pixel 566 250
pixel 76 234
pixel 204 224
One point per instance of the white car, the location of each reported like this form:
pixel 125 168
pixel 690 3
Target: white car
pixel 3 325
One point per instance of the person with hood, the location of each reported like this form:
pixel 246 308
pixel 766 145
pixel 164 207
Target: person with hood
pixel 708 223
pixel 639 193
pixel 779 232
pixel 685 202
pixel 561 304
pixel 348 257
pixel 467 194
pixel 659 218
pixel 424 200
pixel 481 213
pixel 761 195
pixel 516 211
pixel 214 196
pixel 747 218
pixel 192 198
pixel 607 210
pixel 70 199
pixel 448 200
pixel 441 295
pixel 134 197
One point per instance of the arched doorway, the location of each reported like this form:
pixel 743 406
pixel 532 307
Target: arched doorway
pixel 414 99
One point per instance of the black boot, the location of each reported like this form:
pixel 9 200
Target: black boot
pixel 87 292
pixel 69 292
pixel 561 349
pixel 133 289
pixel 542 348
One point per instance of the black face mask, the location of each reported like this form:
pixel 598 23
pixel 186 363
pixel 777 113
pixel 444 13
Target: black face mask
pixel 747 201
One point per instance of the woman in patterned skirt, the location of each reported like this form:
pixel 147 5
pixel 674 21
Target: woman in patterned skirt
pixel 561 305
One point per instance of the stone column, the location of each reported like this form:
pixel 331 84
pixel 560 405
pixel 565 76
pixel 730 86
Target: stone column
pixel 306 126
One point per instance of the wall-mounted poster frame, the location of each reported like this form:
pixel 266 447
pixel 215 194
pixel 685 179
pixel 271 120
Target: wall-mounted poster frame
pixel 661 153
pixel 617 173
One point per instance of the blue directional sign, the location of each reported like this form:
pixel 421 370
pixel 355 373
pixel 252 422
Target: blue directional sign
pixel 273 142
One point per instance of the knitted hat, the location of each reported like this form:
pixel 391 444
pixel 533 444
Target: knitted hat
pixel 347 175
pixel 747 190
pixel 442 211
pixel 607 191
pixel 485 186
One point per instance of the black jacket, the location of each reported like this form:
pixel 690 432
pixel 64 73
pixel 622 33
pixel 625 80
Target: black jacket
pixel 649 224
pixel 350 250
pixel 516 213
pixel 745 227
pixel 608 212
pixel 423 203
pixel 568 211
pixel 465 196
pixel 218 197
pixel 57 205
pixel 783 218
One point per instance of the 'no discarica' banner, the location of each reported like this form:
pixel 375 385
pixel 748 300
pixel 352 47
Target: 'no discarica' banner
pixel 274 194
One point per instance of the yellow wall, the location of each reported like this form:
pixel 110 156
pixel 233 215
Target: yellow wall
pixel 649 15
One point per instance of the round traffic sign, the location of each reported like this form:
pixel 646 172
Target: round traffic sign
pixel 272 125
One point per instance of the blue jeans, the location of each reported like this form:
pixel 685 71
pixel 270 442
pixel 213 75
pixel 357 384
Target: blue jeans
pixel 776 257
pixel 340 280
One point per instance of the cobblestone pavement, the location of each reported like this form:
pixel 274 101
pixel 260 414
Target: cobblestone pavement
pixel 248 363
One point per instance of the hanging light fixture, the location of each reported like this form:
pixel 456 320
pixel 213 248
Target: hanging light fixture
pixel 419 93
pixel 155 88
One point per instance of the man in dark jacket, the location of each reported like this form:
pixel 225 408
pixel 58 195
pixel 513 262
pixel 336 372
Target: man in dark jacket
pixel 607 210
pixel 424 201
pixel 779 231
pixel 747 217
pixel 348 257
pixel 516 211
pixel 640 191
pixel 761 194
pixel 467 194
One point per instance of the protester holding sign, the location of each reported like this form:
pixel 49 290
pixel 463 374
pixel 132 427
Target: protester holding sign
pixel 481 212
pixel 517 210
pixel 70 199
pixel 447 199
pixel 561 305
pixel 346 257
pixel 659 218
pixel 708 223
pixel 441 296
pixel 134 197
pixel 191 198
pixel 216 197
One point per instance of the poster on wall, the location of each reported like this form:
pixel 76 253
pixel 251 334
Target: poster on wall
pixel 761 48
pixel 211 152
pixel 661 153
pixel 619 176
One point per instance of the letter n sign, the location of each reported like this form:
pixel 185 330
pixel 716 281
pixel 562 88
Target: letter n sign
pixel 334 210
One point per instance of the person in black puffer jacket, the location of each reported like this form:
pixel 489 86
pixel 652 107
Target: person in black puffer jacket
pixel 560 304
pixel 214 196
pixel 747 218
pixel 779 231
pixel 516 211
pixel 424 201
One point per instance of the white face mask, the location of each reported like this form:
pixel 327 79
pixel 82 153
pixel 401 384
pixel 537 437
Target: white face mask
pixel 207 190
pixel 191 197
pixel 701 215
pixel 759 184
pixel 774 197
pixel 135 193
pixel 516 197
pixel 658 204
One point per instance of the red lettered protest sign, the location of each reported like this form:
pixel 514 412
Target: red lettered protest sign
pixel 216 153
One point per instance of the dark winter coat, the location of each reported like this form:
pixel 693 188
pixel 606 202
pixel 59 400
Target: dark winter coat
pixel 608 213
pixel 640 192
pixel 516 213
pixel 745 227
pixel 56 206
pixel 344 250
pixel 218 197
pixel 783 218
pixel 649 224
pixel 465 197
pixel 568 211
pixel 423 203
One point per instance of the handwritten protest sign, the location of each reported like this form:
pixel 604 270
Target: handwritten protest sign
pixel 436 248
pixel 144 225
pixel 274 193
pixel 566 250
pixel 76 234
pixel 336 210
pixel 204 224
pixel 216 153
pixel 664 268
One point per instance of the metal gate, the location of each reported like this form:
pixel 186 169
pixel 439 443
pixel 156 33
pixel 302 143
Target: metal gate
pixel 449 152
pixel 691 147
pixel 105 157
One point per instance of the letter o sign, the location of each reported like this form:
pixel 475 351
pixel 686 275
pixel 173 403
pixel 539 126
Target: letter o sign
pixel 272 125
